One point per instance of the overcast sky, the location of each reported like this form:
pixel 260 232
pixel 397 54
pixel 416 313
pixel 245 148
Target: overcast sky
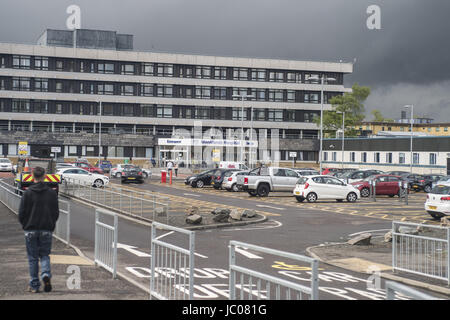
pixel 406 62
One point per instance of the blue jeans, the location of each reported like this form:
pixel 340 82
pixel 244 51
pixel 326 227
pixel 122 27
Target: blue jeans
pixel 39 245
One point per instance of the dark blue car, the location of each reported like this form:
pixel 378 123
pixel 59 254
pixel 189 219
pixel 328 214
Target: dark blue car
pixel 105 165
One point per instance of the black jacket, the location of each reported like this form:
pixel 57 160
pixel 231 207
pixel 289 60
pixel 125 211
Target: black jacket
pixel 39 208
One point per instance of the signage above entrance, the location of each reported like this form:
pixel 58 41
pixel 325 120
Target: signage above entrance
pixel 207 142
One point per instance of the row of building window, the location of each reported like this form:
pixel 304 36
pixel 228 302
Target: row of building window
pixel 158 111
pixel 166 70
pixel 160 90
pixel 389 157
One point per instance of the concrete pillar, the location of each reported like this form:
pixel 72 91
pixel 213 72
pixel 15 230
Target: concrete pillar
pixel 53 126
pixel 73 127
pixel 31 125
pixel 95 127
pixel 134 129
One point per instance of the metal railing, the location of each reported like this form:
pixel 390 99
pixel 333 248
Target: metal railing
pixel 426 254
pixel 10 196
pixel 174 266
pixel 393 288
pixel 105 250
pixel 292 290
pixel 145 205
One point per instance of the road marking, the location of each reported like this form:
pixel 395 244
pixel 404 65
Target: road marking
pixel 133 250
pixel 191 194
pixel 361 232
pixel 163 235
pixel 270 207
pixel 245 253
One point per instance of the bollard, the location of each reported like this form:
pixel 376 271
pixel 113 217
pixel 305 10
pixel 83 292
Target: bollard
pixel 374 190
pixel 170 178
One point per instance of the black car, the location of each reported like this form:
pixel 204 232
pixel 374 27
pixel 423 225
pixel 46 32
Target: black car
pixel 219 175
pixel 416 182
pixel 189 179
pixel 427 183
pixel 353 176
pixel 132 174
pixel 202 179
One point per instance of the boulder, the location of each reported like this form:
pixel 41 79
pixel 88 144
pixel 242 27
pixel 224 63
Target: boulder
pixel 221 217
pixel 360 240
pixel 236 215
pixel 221 210
pixel 160 212
pixel 192 210
pixel 194 219
pixel 388 237
pixel 248 213
pixel 445 221
pixel 408 230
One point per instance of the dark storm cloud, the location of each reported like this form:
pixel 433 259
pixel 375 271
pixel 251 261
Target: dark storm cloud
pixel 410 51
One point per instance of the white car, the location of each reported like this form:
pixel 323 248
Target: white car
pixel 230 179
pixel 444 180
pixel 83 176
pixel 313 188
pixel 6 165
pixel 117 170
pixel 438 201
pixel 232 165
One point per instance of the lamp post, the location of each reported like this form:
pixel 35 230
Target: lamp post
pixel 242 97
pixel 411 140
pixel 322 79
pixel 100 133
pixel 343 136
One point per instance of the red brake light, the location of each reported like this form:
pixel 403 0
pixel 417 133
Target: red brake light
pixel 245 180
pixel 422 180
pixel 218 178
pixel 445 198
pixel 140 173
pixel 230 179
pixel 306 185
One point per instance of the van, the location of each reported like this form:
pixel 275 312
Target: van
pixel 232 165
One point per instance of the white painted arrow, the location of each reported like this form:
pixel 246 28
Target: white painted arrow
pixel 247 254
pixel 133 250
pixel 266 206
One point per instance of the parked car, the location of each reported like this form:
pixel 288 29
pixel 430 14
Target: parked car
pixel 6 165
pixel 415 181
pixel 204 179
pixel 87 166
pixel 62 165
pixel 132 174
pixel 105 165
pixel 329 171
pixel 306 172
pixel 230 180
pixel 387 185
pixel 219 177
pixel 429 180
pixel 116 171
pixel 261 181
pixel 232 165
pixel 84 176
pixel 397 173
pixel 354 176
pixel 322 187
pixel 443 180
pixel 438 201
pixel 189 179
pixel 338 174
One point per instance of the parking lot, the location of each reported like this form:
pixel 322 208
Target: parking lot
pixel 384 208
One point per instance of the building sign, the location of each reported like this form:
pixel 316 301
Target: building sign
pixel 207 142
pixel 216 155
pixel 56 149
pixel 23 148
pixel 292 154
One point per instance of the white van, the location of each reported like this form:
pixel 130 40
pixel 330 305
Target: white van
pixel 232 165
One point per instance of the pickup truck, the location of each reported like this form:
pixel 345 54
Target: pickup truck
pixel 261 181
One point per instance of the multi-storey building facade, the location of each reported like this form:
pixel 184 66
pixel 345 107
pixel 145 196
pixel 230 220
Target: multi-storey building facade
pixel 59 93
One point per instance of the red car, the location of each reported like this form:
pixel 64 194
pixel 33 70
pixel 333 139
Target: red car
pixel 385 185
pixel 329 171
pixel 88 167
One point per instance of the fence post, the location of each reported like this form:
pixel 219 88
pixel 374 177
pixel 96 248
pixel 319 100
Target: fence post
pixel 232 280
pixel 152 262
pixel 315 280
pixel 96 238
pixel 191 264
pixel 394 247
pixel 116 233
pixel 448 257
pixel 68 224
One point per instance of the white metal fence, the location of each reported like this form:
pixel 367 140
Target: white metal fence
pixel 425 254
pixel 393 288
pixel 172 267
pixel 145 205
pixel 105 248
pixel 267 286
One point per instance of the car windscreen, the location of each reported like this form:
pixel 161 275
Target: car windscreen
pixel 4 161
pixel 347 174
pixel 302 180
pixel 441 189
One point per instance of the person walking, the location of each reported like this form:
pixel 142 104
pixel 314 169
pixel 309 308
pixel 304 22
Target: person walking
pixel 38 213
pixel 169 166
pixel 153 162
pixel 175 167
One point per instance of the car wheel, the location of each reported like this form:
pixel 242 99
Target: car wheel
pixel 300 199
pixel 200 184
pixel 365 192
pixel 427 189
pixel 311 197
pixel 391 195
pixel 352 197
pixel 98 183
pixel 235 188
pixel 216 187
pixel 263 190
pixel 145 175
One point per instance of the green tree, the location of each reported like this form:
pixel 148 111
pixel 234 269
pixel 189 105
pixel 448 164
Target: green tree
pixel 378 117
pixel 352 104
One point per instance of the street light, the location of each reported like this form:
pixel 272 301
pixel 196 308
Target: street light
pixel 100 134
pixel 242 97
pixel 343 135
pixel 411 140
pixel 322 78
